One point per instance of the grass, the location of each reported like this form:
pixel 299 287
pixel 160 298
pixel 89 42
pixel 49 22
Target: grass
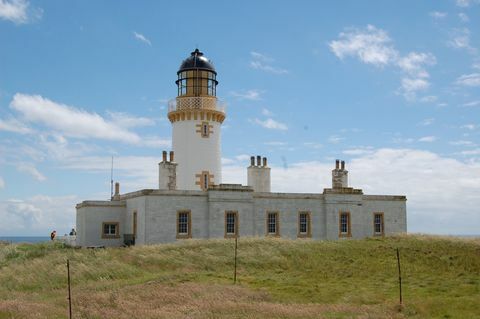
pixel 276 279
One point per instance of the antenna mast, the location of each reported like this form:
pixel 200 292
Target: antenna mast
pixel 111 180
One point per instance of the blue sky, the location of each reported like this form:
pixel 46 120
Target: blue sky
pixel 392 87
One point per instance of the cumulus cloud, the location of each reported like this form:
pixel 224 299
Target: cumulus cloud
pixel 472 103
pixel 74 122
pixel 460 39
pixel 424 177
pixel 141 38
pixel 37 215
pixel 30 169
pixel 373 46
pixel 252 95
pixel 19 11
pixel 263 62
pixel 128 121
pixel 270 124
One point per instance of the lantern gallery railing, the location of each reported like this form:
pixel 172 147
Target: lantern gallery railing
pixel 196 103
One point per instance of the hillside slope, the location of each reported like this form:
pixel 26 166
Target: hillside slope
pixel 276 279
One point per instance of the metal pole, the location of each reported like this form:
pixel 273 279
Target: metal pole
pixel 69 291
pixel 235 272
pixel 399 275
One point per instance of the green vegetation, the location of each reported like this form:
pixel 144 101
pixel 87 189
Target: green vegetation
pixel 276 279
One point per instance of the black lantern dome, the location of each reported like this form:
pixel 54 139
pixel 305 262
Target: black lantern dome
pixel 196 61
pixel 197 77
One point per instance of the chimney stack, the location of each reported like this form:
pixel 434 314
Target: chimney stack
pixel 258 174
pixel 264 162
pixel 252 160
pixel 343 165
pixel 164 156
pixel 117 188
pixel 259 160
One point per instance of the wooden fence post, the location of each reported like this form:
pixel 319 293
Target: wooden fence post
pixel 69 291
pixel 399 276
pixel 235 269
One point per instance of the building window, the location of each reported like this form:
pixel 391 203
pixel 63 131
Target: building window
pixel 110 230
pixel 231 224
pixel 272 224
pixel 378 226
pixel 204 180
pixel 304 224
pixel 344 223
pixel 184 224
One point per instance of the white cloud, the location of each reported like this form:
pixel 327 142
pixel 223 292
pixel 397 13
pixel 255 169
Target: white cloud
pixel 141 38
pixel 15 126
pixel 469 79
pixel 262 62
pixel 373 46
pixel 270 124
pixel 128 121
pixel 462 143
pixel 463 17
pixel 427 122
pixel 335 139
pixel 359 151
pixel 438 15
pixel 429 99
pixel 417 174
pixel 470 127
pixel 74 122
pixel 472 103
pixel 471 152
pixel 19 11
pixel 466 3
pixel 30 169
pixel 460 39
pixel 275 143
pixel 253 95
pixel 370 45
pixel 427 139
pixel 37 215
pixel 267 112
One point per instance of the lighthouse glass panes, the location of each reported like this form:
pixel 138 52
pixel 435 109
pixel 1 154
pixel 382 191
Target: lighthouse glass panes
pixel 272 223
pixel 378 224
pixel 197 83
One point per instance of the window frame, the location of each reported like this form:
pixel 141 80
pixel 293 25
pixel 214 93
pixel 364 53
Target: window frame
pixel 235 224
pixel 382 224
pixel 188 234
pixel 277 223
pixel 308 232
pixel 349 224
pixel 111 236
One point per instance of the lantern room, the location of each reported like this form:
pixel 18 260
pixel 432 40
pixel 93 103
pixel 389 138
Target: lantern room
pixel 196 76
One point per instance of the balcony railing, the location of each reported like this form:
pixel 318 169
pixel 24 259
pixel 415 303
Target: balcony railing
pixel 196 103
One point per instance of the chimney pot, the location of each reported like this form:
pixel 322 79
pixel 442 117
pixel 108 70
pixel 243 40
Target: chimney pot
pixel 337 164
pixel 117 188
pixel 252 160
pixel 171 156
pixel 343 165
pixel 164 156
pixel 259 160
pixel 264 162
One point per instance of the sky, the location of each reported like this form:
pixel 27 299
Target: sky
pixel 391 87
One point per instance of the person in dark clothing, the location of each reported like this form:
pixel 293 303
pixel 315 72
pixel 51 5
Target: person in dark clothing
pixel 53 234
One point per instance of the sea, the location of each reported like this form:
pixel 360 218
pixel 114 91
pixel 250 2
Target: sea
pixel 25 239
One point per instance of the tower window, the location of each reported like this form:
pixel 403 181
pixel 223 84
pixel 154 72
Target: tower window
pixel 272 224
pixel 204 180
pixel 344 224
pixel 231 224
pixel 304 224
pixel 184 224
pixel 378 229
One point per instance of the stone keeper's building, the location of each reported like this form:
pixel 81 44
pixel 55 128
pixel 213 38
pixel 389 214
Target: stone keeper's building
pixel 192 202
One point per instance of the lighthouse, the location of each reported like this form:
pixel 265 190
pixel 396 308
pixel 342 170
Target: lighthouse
pixel 197 116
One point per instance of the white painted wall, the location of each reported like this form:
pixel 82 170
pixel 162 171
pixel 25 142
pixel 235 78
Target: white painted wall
pixel 195 153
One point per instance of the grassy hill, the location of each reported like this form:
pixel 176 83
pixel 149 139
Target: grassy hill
pixel 276 279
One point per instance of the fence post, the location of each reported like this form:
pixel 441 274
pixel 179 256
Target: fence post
pixel 69 291
pixel 399 276
pixel 235 269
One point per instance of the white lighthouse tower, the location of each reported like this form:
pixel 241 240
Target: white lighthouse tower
pixel 196 116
